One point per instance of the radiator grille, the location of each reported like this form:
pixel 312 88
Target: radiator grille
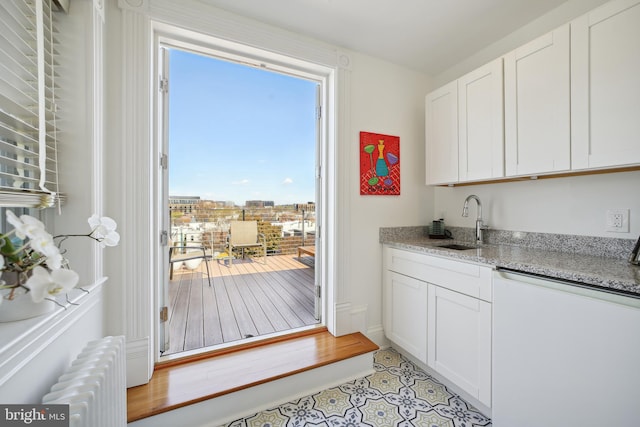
pixel 94 386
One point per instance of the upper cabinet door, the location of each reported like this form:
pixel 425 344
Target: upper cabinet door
pixel 441 133
pixel 481 123
pixel 537 106
pixel 605 86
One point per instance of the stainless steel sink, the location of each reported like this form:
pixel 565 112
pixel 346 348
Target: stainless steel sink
pixel 457 247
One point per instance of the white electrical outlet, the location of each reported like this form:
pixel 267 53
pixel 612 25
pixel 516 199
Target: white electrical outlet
pixel 617 220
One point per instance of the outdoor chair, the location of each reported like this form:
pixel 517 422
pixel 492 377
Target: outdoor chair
pixel 243 235
pixel 187 253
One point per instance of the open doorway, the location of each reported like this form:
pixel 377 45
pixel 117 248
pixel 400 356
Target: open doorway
pixel 243 145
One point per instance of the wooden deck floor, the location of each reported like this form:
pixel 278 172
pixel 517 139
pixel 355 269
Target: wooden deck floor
pixel 248 300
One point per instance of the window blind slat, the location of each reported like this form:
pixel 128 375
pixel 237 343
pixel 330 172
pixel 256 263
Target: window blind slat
pixel 21 127
pixel 16 102
pixel 17 181
pixel 20 19
pixel 28 134
pixel 20 65
pixel 25 150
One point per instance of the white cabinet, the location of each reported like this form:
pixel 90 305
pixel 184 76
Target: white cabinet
pixel 480 124
pixel 571 102
pixel 459 343
pixel 439 310
pixel 537 106
pixel 605 88
pixel 464 128
pixel 441 131
pixel 405 306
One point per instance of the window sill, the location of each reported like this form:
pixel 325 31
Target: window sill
pixel 22 340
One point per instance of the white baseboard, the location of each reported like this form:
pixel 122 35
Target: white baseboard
pixel 376 334
pixel 343 319
pixel 354 319
pixel 139 369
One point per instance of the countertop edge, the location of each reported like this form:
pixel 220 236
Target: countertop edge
pixel 501 256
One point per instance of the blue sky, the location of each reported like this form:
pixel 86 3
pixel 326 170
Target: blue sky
pixel 239 133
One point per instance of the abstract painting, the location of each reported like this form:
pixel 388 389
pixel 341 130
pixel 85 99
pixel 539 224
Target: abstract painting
pixel 379 164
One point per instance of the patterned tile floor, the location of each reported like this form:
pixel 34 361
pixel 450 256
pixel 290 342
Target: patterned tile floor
pixel 397 394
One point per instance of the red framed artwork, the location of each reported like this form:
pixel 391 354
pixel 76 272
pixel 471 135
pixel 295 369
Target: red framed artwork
pixel 379 164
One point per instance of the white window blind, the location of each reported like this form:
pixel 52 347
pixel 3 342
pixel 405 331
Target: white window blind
pixel 28 131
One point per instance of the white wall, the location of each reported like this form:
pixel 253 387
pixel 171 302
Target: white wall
pixel 75 138
pixel 573 205
pixel 386 99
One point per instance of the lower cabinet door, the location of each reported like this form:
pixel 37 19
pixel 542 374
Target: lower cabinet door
pixel 405 313
pixel 459 340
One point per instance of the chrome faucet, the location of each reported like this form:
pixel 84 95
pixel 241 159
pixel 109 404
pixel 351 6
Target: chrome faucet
pixel 479 225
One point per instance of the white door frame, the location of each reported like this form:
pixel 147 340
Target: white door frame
pixel 133 271
pixel 199 44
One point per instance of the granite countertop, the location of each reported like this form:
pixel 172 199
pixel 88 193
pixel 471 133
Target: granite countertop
pixel 605 271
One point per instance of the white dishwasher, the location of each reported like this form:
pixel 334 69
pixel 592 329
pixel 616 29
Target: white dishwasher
pixel 563 355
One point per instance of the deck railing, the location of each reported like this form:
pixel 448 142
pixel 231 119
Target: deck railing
pixel 285 229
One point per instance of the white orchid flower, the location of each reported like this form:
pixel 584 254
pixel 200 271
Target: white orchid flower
pixel 1 263
pixel 45 245
pixel 42 284
pixel 104 230
pixel 102 225
pixel 26 225
pixel 111 239
pixel 54 261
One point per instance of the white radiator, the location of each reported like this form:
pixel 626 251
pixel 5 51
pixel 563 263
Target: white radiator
pixel 94 386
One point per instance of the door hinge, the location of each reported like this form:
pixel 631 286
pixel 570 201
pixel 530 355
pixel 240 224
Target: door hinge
pixel 164 161
pixel 164 314
pixel 163 85
pixel 318 112
pixel 319 172
pixel 318 291
pixel 164 238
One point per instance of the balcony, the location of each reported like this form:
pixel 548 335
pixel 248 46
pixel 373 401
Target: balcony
pixel 248 300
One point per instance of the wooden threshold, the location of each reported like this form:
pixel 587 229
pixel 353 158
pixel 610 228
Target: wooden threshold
pixel 175 385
